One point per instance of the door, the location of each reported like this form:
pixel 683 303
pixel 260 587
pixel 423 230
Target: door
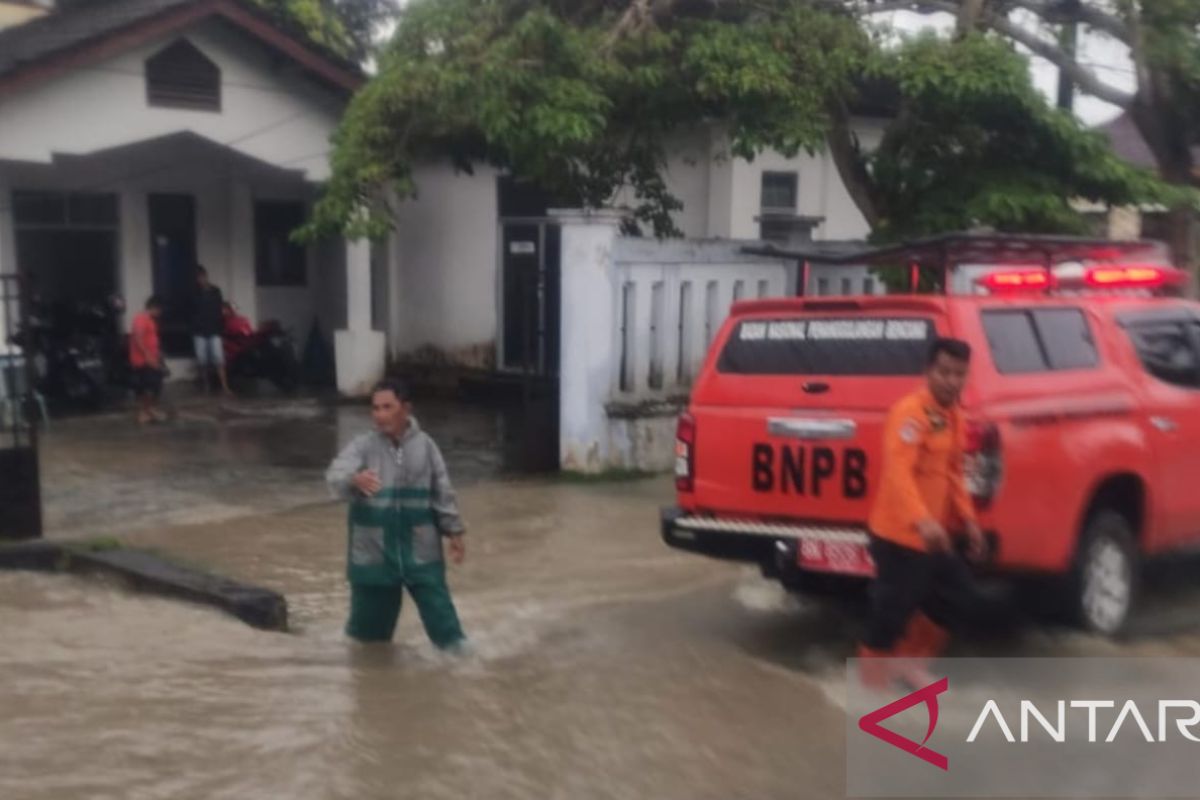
pixel 173 261
pixel 1167 346
pixel 530 297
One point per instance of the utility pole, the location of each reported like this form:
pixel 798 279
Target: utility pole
pixel 1067 14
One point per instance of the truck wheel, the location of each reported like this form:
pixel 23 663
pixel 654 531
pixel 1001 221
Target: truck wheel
pixel 1104 581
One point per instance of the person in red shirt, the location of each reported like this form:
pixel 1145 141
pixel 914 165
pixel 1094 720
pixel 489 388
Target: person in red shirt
pixel 146 362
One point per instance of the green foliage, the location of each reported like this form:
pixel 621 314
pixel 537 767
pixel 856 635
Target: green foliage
pixel 572 97
pixel 344 27
pixel 584 113
pixel 976 144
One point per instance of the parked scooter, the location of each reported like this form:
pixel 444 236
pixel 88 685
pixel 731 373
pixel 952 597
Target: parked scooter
pixel 268 352
pixel 74 348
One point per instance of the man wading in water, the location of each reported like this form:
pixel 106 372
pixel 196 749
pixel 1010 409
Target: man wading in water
pixel 401 507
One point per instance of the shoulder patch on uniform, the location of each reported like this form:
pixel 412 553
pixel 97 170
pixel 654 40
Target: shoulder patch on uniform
pixel 910 431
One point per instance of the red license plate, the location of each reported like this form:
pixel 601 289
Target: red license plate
pixel 844 558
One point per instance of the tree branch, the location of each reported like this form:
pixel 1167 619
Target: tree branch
pixel 1084 78
pixel 635 18
pixel 1088 15
pixel 919 6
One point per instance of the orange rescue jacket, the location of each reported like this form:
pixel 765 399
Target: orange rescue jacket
pixel 923 447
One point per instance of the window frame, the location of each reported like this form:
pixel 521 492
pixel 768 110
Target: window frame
pixel 283 281
pixel 1031 315
pixel 793 176
pixel 1190 323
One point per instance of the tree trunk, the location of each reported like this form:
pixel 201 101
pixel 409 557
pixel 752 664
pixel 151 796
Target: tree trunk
pixel 849 162
pixel 1182 227
pixel 970 13
pixel 1169 138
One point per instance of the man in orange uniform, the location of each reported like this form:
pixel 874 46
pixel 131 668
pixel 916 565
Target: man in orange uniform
pixel 919 578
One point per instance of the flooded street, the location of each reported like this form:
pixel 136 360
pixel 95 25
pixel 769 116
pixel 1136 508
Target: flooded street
pixel 606 665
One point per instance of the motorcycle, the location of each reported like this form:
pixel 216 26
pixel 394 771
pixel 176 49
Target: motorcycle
pixel 74 348
pixel 267 352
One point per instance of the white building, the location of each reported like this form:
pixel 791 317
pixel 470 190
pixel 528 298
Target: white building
pixel 141 137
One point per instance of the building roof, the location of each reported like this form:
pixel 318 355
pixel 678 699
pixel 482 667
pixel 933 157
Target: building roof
pixel 1127 142
pixel 87 32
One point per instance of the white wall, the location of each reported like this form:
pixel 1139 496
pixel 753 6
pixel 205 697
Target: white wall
pixel 625 334
pixel 445 263
pixel 820 191
pixel 721 194
pixel 672 297
pixel 267 111
pixel 826 281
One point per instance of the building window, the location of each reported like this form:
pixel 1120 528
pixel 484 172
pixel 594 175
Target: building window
pixel 779 191
pixel 180 76
pixel 278 261
pixel 61 209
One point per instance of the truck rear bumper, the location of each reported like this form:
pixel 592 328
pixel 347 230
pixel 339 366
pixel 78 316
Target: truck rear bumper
pixel 765 543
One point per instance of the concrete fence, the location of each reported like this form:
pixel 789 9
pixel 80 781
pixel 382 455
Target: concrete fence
pixel 638 318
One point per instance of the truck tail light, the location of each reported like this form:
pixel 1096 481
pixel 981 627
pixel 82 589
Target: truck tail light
pixel 685 453
pixel 984 465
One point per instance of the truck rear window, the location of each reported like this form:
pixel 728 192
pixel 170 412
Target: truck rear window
pixel 857 346
pixel 1037 340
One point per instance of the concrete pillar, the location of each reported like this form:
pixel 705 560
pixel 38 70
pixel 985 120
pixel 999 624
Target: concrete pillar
pixel 136 269
pixel 588 345
pixel 242 289
pixel 1124 222
pixel 361 352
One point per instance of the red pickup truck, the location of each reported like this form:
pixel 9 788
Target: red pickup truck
pixel 1084 435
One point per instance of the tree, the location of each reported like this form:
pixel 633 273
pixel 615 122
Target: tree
pixel 345 27
pixel 974 142
pixel 582 97
pixel 1163 37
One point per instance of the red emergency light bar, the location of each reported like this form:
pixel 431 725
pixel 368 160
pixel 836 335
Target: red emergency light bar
pixel 1106 276
pixel 1018 280
pixel 1127 276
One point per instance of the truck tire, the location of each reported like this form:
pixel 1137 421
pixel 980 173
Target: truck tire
pixel 1105 576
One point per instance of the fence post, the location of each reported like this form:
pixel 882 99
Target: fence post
pixel 588 354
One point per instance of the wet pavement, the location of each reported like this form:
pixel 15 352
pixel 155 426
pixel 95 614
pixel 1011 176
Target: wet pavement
pixel 606 665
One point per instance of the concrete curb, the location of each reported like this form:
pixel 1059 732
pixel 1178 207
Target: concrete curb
pixel 148 572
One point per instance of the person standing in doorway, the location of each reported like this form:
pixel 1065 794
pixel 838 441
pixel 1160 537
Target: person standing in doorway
pixel 402 506
pixel 921 583
pixel 146 362
pixel 208 320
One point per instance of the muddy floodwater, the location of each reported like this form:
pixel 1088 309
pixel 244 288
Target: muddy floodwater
pixel 605 665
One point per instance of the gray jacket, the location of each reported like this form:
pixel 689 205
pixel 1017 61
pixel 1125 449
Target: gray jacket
pixel 415 463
